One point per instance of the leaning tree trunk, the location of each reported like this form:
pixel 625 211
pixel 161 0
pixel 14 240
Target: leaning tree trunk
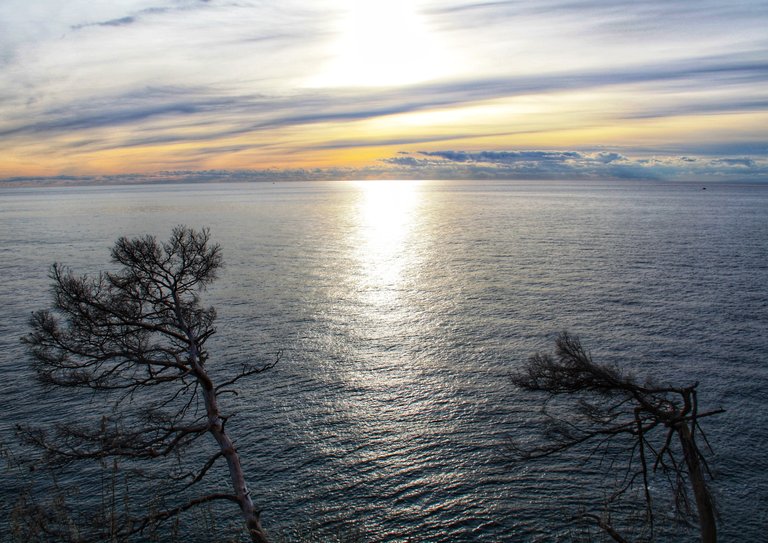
pixel 226 445
pixel 228 450
pixel 704 506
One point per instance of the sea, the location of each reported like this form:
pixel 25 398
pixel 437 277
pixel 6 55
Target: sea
pixel 399 311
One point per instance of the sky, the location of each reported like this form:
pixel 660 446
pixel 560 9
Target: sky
pixel 673 89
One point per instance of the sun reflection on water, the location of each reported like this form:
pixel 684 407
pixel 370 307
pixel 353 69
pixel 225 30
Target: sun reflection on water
pixel 386 214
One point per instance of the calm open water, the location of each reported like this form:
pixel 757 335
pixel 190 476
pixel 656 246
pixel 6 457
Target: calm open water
pixel 401 308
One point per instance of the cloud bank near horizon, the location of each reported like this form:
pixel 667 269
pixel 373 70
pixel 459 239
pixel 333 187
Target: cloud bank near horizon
pixel 577 165
pixel 529 165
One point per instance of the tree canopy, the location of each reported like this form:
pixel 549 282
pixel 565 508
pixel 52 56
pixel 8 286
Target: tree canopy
pixel 138 335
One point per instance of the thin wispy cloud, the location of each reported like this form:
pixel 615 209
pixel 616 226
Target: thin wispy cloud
pixel 252 84
pixel 304 108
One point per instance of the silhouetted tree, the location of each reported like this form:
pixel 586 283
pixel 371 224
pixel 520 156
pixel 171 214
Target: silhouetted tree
pixel 612 403
pixel 138 335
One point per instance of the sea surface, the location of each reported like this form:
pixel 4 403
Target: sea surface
pixel 401 308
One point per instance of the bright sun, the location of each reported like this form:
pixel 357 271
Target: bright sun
pixel 382 44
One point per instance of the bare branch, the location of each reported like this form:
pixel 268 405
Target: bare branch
pixel 611 402
pixel 606 527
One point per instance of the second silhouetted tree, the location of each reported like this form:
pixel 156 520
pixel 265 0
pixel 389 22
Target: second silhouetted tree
pixel 662 424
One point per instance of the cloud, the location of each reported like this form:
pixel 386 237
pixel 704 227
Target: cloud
pixel 65 121
pixel 504 157
pixel 119 21
pixel 746 162
pixel 404 161
pixel 653 21
pixel 607 158
pixel 577 164
pixel 729 148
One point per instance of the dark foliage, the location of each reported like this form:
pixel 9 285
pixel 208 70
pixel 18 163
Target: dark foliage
pixel 137 337
pixel 660 426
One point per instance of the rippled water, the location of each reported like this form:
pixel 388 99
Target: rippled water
pixel 401 308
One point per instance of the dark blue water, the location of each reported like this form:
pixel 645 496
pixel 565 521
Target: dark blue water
pixel 401 308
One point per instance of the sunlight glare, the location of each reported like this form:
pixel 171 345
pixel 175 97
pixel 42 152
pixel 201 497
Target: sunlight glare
pixel 382 44
pixel 386 219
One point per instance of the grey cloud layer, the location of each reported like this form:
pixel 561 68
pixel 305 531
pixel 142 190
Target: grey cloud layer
pixel 251 113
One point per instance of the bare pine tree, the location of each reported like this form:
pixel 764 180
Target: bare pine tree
pixel 661 422
pixel 138 335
